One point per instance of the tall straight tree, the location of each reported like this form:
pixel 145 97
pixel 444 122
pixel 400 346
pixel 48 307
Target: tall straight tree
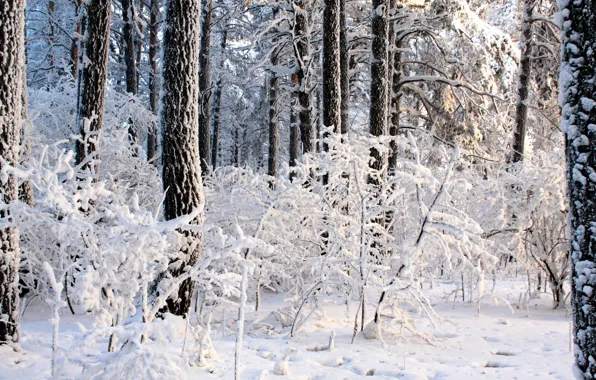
pixel 179 120
pixel 344 68
pixel 12 14
pixel 153 77
pixel 273 111
pixel 331 65
pixel 578 100
pixel 92 97
pixel 128 33
pixel 379 77
pixel 205 87
pixel 217 100
pixel 523 83
pixel 301 38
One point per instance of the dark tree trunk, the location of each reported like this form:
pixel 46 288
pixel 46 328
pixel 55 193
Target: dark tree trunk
pixel 578 117
pixel 179 120
pixel 396 94
pixel 523 84
pixel 331 65
pixel 74 48
pixel 153 79
pixel 217 101
pixel 294 141
pixel 345 74
pixel 12 14
pixel 303 58
pixel 139 43
pixel 273 115
pixel 379 77
pixel 204 87
pixel 94 77
pixel 128 32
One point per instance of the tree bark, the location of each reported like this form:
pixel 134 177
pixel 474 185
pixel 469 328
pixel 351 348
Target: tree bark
pixel 204 87
pixel 26 188
pixel 523 83
pixel 12 14
pixel 345 74
pixel 379 77
pixel 303 58
pixel 153 79
pixel 128 32
pixel 396 94
pixel 74 48
pixel 331 65
pixel 273 114
pixel 294 140
pixel 179 119
pixel 217 101
pixel 94 77
pixel 578 117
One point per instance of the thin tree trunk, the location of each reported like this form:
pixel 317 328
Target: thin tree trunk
pixel 128 32
pixel 204 87
pixel 523 83
pixel 294 141
pixel 395 102
pixel 74 47
pixel 94 77
pixel 345 74
pixel 153 80
pixel 273 115
pixel 179 119
pixel 379 77
pixel 12 14
pixel 303 57
pixel 217 101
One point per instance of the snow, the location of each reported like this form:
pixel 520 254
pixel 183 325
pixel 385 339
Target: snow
pixel 493 345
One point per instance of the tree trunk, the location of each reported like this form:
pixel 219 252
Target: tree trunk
pixel 379 77
pixel 523 83
pixel 395 102
pixel 578 117
pixel 217 101
pixel 331 63
pixel 204 85
pixel 26 188
pixel 294 141
pixel 74 48
pixel 12 14
pixel 273 115
pixel 303 57
pixel 153 79
pixel 94 77
pixel 128 32
pixel 345 74
pixel 179 119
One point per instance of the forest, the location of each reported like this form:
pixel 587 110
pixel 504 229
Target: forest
pixel 309 189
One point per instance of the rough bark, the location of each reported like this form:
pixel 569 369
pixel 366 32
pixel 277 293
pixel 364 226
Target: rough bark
pixel 523 83
pixel 179 119
pixel 204 87
pixel 273 114
pixel 153 79
pixel 331 64
pixel 303 57
pixel 26 188
pixel 345 74
pixel 578 118
pixel 294 141
pixel 379 77
pixel 11 64
pixel 217 101
pixel 94 76
pixel 128 32
pixel 395 101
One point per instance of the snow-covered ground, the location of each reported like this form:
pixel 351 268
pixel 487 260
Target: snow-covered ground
pixel 497 344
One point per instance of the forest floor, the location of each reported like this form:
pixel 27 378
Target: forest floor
pixel 532 342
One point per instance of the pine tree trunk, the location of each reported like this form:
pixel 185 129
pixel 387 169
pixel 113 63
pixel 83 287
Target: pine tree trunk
pixel 12 14
pixel 345 74
pixel 217 101
pixel 128 32
pixel 523 83
pixel 578 99
pixel 294 141
pixel 395 101
pixel 26 188
pixel 153 79
pixel 273 115
pixel 303 57
pixel 379 78
pixel 204 85
pixel 331 65
pixel 92 97
pixel 179 119
pixel 74 47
